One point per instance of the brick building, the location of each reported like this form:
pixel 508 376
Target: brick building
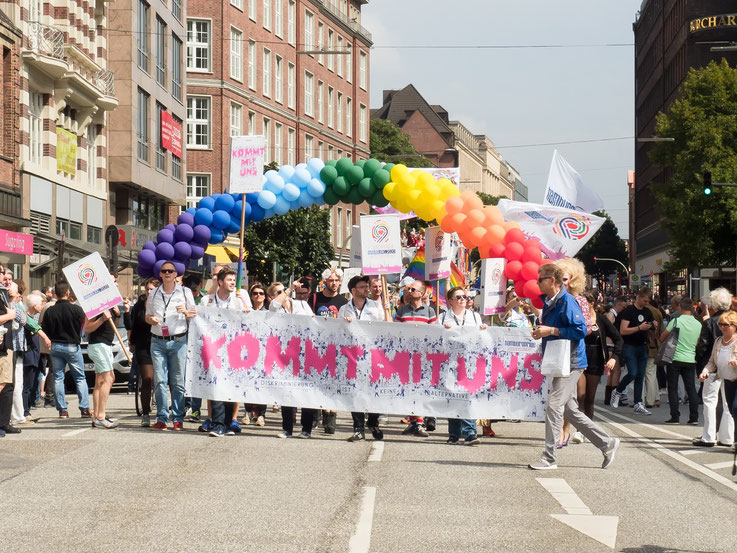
pixel 296 71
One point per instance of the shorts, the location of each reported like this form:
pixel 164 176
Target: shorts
pixel 142 356
pixel 6 368
pixel 102 356
pixel 594 371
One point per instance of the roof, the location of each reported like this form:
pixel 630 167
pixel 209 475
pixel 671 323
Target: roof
pixel 7 22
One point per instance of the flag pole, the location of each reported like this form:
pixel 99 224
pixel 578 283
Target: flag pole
pixel 240 249
pixel 385 292
pixel 437 295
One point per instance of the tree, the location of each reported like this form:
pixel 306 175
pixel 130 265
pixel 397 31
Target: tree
pixel 703 123
pixel 488 199
pixel 390 144
pixel 605 243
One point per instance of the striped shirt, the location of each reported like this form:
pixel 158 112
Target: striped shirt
pixel 408 314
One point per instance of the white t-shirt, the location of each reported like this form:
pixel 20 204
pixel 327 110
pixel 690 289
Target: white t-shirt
pixel 164 307
pixel 299 307
pixel 233 302
pixel 470 318
pixel 724 369
pixel 372 311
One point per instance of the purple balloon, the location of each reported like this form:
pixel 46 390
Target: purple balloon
pixel 157 267
pixel 186 218
pixel 146 258
pixel 182 251
pixel 145 272
pixel 197 251
pixel 180 267
pixel 164 251
pixel 201 235
pixel 165 235
pixel 171 226
pixel 150 245
pixel 183 233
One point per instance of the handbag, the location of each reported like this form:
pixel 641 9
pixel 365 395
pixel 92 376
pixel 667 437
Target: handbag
pixel 556 358
pixel 667 349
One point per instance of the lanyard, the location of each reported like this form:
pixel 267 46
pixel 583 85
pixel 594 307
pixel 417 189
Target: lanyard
pixel 217 301
pixel 465 312
pixel 166 302
pixel 358 313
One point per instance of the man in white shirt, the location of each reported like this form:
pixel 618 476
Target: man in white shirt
pixel 168 310
pixel 361 308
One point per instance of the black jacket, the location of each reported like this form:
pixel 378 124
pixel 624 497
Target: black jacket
pixel 709 334
pixel 606 330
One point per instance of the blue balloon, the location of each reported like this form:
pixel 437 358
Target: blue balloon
pixel 234 226
pixel 192 211
pixel 314 166
pixel 224 202
pixel 316 188
pixel 216 236
pixel 301 177
pixel 266 199
pixel 274 183
pixel 207 203
pixel 236 197
pixel 249 209
pixel 203 216
pixel 237 208
pixel 257 213
pixel 282 206
pixel 252 197
pixel 305 199
pixel 319 201
pixel 268 213
pixel 220 219
pixel 286 172
pixel 300 166
pixel 290 192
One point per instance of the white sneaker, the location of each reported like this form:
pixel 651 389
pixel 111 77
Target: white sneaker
pixel 542 464
pixel 640 409
pixel 577 438
pixel 614 402
pixel 260 421
pixel 283 434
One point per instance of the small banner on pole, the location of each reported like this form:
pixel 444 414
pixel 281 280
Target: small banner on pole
pixel 246 164
pixel 437 254
pixel 493 286
pixel 93 285
pixel 381 245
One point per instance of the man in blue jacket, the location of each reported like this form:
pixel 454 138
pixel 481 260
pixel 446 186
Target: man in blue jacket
pixel 562 320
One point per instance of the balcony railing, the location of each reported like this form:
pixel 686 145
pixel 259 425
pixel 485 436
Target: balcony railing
pixel 45 39
pixel 335 11
pixel 105 81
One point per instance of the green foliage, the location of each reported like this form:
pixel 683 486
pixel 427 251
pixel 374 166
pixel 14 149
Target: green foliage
pixel 605 243
pixel 488 199
pixel 390 144
pixel 704 124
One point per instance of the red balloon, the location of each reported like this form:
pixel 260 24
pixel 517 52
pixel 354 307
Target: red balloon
pixel 529 270
pixel 519 288
pixel 513 251
pixel 497 250
pixel 511 271
pixel 514 235
pixel 531 289
pixel 531 243
pixel 532 254
pixel 546 261
pixel 537 302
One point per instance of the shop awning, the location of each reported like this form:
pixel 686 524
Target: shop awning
pixel 223 254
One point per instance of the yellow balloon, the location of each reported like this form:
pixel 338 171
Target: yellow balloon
pixel 413 197
pixel 433 190
pixel 390 191
pixel 438 210
pixel 402 205
pixel 399 172
pixel 425 179
pixel 448 189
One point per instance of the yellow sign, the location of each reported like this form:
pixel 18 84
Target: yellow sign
pixel 66 151
pixel 713 22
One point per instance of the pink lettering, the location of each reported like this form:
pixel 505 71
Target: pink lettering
pixel 472 385
pixel 536 378
pixel 239 362
pixel 508 374
pixel 276 356
pixel 437 360
pixel 313 359
pixel 381 366
pixel 209 352
pixel 352 353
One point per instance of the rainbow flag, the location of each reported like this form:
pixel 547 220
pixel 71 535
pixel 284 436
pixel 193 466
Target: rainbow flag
pixel 416 270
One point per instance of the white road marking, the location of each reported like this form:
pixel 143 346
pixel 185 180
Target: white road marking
pixel 377 450
pixel 650 426
pixel 360 542
pixel 677 456
pixel 690 451
pixel 722 465
pixel 75 432
pixel 601 528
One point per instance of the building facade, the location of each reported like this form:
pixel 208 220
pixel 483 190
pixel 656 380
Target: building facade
pixel 671 36
pixel 295 71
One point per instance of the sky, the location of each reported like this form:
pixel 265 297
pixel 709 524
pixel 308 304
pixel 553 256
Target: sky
pixel 521 96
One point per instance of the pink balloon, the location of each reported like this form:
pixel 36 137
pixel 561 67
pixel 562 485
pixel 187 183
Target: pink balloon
pixel 532 254
pixel 512 270
pixel 531 289
pixel 513 251
pixel 529 270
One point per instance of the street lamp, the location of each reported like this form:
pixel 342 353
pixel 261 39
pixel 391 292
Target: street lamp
pixel 626 270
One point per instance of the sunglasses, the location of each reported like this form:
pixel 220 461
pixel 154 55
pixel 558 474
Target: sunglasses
pixel 279 291
pixel 415 289
pixel 461 297
pixel 725 324
pixel 167 271
pixel 539 280
pixel 257 293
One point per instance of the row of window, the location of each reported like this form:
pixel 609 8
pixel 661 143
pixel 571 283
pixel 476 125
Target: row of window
pixel 144 137
pixel 161 50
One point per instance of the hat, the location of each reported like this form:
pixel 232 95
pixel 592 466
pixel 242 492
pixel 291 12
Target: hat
pixel 406 281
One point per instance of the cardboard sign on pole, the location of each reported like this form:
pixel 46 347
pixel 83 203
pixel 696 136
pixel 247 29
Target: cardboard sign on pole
pixel 355 247
pixel 93 285
pixel 246 164
pixel 437 254
pixel 381 245
pixel 493 286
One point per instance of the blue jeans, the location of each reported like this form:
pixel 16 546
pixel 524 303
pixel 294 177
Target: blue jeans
pixel 169 357
pixel 461 428
pixel 636 359
pixel 61 356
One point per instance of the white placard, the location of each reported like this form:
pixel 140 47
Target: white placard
pixel 381 244
pixel 437 254
pixel 355 247
pixel 93 285
pixel 493 286
pixel 348 274
pixel 246 164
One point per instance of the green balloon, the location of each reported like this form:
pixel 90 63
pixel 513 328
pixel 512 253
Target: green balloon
pixel 330 197
pixel 343 165
pixel 355 197
pixel 388 167
pixel 366 188
pixel 381 178
pixel 378 199
pixel 328 174
pixel 341 186
pixel 360 163
pixel 332 162
pixel 354 174
pixel 370 167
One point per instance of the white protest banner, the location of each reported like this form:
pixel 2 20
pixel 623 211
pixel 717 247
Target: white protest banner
pixel 355 247
pixel 567 189
pixel 560 231
pixel 348 274
pixel 381 244
pixel 246 164
pixel 303 361
pixel 93 285
pixel 437 254
pixel 493 286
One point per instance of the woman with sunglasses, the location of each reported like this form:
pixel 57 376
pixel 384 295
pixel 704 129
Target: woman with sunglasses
pixel 514 317
pixel 257 413
pixel 722 365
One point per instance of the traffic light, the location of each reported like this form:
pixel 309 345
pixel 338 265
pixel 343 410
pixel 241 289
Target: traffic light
pixel 707 183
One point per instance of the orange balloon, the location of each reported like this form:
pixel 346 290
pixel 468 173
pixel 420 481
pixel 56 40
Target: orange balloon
pixel 475 217
pixel 493 216
pixel 494 235
pixel 446 223
pixel 471 200
pixel 457 222
pixel 453 205
pixel 509 225
pixel 467 239
pixel 477 235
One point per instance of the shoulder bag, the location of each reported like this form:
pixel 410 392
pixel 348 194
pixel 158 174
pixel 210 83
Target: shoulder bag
pixel 667 349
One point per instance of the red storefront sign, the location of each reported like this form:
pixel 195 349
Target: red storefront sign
pixel 171 134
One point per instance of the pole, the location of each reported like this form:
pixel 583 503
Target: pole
pixel 385 292
pixel 437 296
pixel 120 340
pixel 240 250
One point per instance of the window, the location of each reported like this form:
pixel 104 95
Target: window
pixel 309 147
pixel 36 11
pixel 251 123
pixel 320 101
pixel 267 140
pixel 331 151
pixel 309 30
pixel 340 153
pixel 176 9
pixel 70 230
pixel 330 48
pixel 267 15
pixel 94 234
pixel 278 21
pixel 331 122
pixel 161 52
pixel 236 54
pixel 35 119
pixel 339 61
pixel 362 123
pixel 236 119
pixel 340 112
pixel 363 60
pixel 198 122
pixel 277 143
pixel 278 84
pixel 198 45
pixel 142 35
pixel 348 223
pixel 237 3
pixel 267 72
pixel 252 65
pixel 309 94
pixel 92 154
pixel 291 96
pixel 320 149
pixel 348 117
pixel 176 69
pixel 291 22
pixel 176 163
pixel 160 151
pixel 339 227
pixel 142 125
pixel 349 63
pixel 320 41
pixel 291 157
pixel 252 9
pixel 198 187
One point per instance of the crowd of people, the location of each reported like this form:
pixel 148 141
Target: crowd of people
pixel 42 333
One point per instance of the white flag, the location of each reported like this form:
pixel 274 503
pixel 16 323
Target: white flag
pixel 567 189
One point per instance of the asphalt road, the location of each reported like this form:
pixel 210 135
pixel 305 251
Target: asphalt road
pixel 67 487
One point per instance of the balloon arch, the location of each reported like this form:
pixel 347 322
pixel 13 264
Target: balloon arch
pixel 317 182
